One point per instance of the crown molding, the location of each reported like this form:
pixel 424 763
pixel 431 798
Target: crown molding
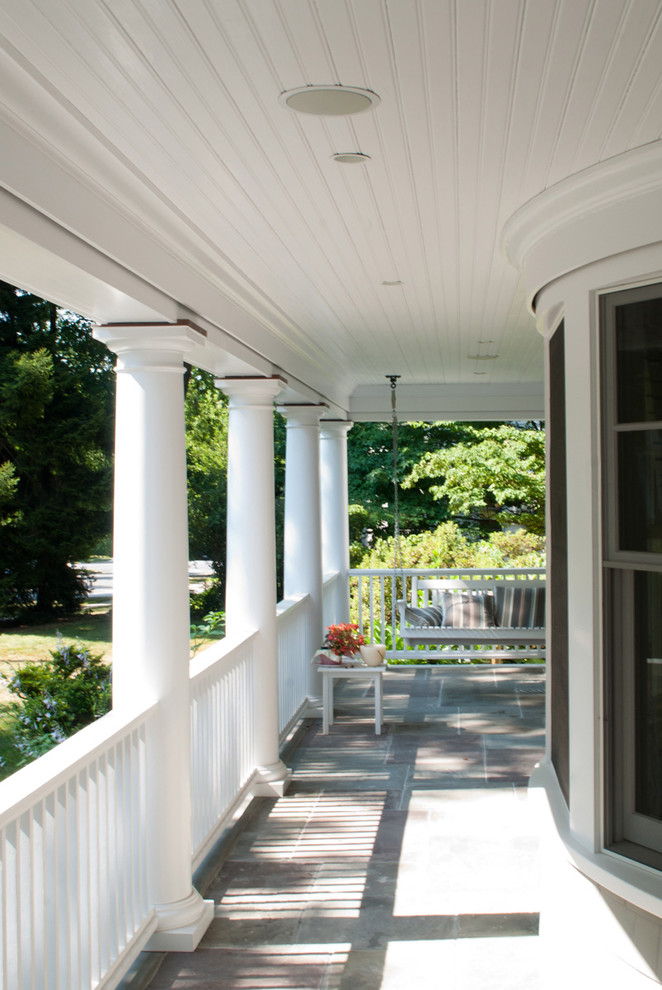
pixel 604 210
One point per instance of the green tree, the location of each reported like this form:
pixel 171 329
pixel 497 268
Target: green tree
pixel 370 477
pixel 56 400
pixel 206 411
pixel 492 476
pixel 370 474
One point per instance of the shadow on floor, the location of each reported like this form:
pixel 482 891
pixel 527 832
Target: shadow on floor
pixel 393 862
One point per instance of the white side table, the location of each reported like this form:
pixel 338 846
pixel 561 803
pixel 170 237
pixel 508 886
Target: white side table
pixel 332 673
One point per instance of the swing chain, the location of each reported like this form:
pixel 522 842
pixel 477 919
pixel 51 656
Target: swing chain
pixel 396 506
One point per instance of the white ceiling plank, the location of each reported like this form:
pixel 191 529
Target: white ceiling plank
pixel 168 113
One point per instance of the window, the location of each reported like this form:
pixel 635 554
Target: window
pixel 631 357
pixel 557 632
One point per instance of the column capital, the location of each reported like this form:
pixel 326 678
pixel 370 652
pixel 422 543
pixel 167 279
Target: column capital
pixel 304 414
pixel 149 345
pixel 335 428
pixel 252 391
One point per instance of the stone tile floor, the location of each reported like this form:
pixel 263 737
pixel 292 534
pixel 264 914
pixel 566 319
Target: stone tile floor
pixel 394 862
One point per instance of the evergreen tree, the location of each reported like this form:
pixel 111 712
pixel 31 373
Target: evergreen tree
pixel 56 415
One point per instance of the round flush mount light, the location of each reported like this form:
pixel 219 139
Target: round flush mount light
pixel 351 158
pixel 329 101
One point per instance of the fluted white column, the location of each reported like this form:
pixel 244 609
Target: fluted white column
pixel 151 605
pixel 335 508
pixel 250 603
pixel 303 541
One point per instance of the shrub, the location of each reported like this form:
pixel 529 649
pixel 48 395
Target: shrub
pixel 212 625
pixel 448 546
pixel 57 697
pixel 211 599
pixel 445 546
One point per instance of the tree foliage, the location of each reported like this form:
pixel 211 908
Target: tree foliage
pixel 449 546
pixel 370 481
pixel 492 475
pixel 206 411
pixel 56 401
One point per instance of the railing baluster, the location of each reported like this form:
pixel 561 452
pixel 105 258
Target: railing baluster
pixel 401 581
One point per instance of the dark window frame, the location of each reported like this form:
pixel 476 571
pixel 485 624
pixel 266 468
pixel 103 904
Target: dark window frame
pixel 632 573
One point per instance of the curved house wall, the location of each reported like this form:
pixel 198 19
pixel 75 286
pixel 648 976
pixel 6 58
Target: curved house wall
pixel 593 234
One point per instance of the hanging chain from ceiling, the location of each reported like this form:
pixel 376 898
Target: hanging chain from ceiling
pixel 397 564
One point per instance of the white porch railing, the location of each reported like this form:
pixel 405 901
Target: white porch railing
pixel 74 828
pixel 222 736
pixel 294 654
pixel 74 824
pixel 374 594
pixel 73 860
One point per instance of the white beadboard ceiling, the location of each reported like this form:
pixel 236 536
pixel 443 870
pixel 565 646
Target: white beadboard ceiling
pixel 169 110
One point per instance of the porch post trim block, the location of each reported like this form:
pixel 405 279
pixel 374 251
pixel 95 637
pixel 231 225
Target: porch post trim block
pixel 303 544
pixel 335 506
pixel 150 605
pixel 250 603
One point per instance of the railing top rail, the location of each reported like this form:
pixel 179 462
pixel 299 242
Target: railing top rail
pixel 219 652
pixel 443 571
pixel 30 784
pixel 286 605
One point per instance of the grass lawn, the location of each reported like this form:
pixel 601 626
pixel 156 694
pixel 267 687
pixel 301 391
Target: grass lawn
pixel 35 642
pixel 23 643
pixel 18 645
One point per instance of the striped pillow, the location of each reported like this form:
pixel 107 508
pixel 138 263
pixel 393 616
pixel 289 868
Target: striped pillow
pixel 430 615
pixel 520 607
pixel 468 610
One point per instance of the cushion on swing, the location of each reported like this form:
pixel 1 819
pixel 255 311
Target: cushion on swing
pixel 429 615
pixel 468 610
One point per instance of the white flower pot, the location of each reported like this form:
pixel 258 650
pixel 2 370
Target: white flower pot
pixel 373 656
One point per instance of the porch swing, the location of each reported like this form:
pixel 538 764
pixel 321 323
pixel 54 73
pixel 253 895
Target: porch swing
pixel 467 614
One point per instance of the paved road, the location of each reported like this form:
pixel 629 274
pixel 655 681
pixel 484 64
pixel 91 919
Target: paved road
pixel 102 576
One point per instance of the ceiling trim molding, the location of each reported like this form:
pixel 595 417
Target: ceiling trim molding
pixel 604 210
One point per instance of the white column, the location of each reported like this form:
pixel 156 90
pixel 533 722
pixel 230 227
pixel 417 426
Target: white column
pixel 335 508
pixel 303 542
pixel 151 605
pixel 250 602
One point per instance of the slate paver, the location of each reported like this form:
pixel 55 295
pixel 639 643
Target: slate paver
pixel 394 862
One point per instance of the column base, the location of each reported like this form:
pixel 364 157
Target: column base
pixel 271 781
pixel 181 925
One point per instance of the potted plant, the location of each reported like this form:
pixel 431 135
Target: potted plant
pixel 342 640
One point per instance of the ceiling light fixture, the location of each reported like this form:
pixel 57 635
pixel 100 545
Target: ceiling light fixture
pixel 396 282
pixel 350 158
pixel 329 101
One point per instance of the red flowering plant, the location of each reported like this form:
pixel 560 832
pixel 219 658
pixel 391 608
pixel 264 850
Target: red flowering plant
pixel 343 639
